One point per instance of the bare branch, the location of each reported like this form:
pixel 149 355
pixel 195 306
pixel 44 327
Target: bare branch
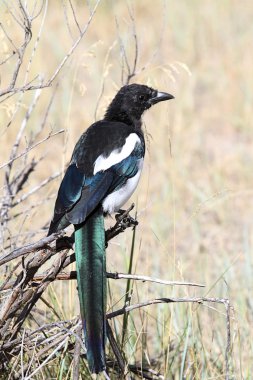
pixel 21 50
pixel 199 300
pixel 51 134
pixel 9 39
pixel 36 188
pixel 43 243
pixel 33 247
pixel 136 277
pixel 21 178
pixel 31 207
pixel 74 46
pixel 51 355
pixel 118 276
pixel 13 15
pixel 228 345
pixel 22 128
pixel 37 40
pixel 66 18
pixel 27 87
pixel 116 350
pixel 7 58
pixel 74 15
pixel 11 89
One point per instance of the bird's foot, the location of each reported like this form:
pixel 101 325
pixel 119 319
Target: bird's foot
pixel 124 219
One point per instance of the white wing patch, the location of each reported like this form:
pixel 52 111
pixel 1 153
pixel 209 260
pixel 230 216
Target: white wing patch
pixel 114 201
pixel 102 163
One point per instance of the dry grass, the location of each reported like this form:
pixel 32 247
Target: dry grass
pixel 195 198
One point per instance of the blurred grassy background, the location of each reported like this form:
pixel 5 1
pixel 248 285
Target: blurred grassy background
pixel 194 201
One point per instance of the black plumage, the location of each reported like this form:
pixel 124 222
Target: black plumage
pixel 103 173
pixel 122 118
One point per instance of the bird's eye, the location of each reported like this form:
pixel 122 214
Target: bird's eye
pixel 141 97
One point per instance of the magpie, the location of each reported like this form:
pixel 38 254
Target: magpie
pixel 103 173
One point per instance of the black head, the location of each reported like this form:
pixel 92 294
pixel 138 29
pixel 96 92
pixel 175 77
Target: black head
pixel 132 100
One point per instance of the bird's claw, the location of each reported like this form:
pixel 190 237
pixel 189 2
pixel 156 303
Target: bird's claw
pixel 124 220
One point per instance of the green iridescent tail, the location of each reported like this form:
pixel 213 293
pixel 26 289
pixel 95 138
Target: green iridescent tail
pixel 91 280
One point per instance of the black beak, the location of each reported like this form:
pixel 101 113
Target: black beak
pixel 160 97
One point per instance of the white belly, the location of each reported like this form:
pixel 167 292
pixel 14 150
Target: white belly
pixel 117 199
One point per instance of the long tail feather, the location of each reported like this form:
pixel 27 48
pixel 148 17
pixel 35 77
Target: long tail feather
pixel 91 279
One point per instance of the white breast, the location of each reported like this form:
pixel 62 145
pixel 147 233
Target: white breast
pixel 117 199
pixel 103 163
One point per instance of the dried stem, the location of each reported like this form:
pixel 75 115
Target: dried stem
pixel 25 152
pixel 11 89
pixel 113 276
pixel 33 247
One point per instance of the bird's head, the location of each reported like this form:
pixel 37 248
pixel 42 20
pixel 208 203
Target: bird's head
pixel 132 100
